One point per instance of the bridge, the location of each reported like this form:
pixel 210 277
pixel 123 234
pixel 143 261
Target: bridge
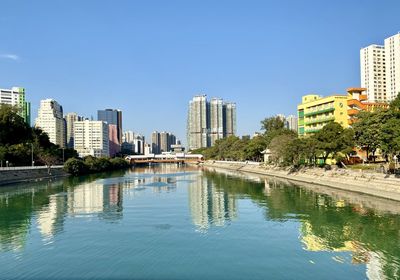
pixel 165 158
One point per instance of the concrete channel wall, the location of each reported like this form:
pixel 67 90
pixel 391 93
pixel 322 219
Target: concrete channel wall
pixel 375 184
pixel 11 175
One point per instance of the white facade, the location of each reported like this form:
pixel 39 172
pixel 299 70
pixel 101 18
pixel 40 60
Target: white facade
pixel 10 96
pixel 197 123
pixel 216 120
pixel 392 51
pixel 91 138
pixel 292 123
pixel 373 73
pixel 70 120
pixel 50 120
pixel 209 121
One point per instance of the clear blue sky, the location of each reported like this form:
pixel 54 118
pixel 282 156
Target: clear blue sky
pixel 148 58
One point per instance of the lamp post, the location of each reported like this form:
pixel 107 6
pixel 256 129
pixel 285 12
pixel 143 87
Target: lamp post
pixel 33 163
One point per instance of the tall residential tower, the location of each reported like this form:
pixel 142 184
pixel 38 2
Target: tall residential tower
pixel 50 120
pixel 209 121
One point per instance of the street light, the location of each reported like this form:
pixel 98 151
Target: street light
pixel 32 161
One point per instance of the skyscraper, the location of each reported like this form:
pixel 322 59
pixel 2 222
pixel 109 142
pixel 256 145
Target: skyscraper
pixel 209 121
pixel 373 75
pixel 50 120
pixel 16 97
pixel 292 122
pixel 380 70
pixel 197 130
pixel 230 119
pixel 155 142
pixel 216 119
pixel 70 119
pixel 112 116
pixel 392 52
pixel 161 142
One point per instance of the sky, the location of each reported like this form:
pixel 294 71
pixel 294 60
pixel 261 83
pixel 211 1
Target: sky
pixel 149 58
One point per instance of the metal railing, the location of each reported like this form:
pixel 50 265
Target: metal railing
pixel 28 167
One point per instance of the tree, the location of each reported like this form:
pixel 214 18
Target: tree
pixel 368 130
pixel 254 148
pixel 271 124
pixel 333 138
pixel 13 129
pixel 48 157
pixel 283 149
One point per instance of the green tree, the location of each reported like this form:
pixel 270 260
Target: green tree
pixel 333 139
pixel 13 129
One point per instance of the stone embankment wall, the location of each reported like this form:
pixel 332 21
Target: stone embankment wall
pixel 23 174
pixel 376 184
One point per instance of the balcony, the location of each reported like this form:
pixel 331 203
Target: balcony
pixel 318 112
pixel 320 120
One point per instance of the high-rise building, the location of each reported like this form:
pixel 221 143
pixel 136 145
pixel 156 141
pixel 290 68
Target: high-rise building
pixel 50 120
pixel 113 145
pixel 128 136
pixel 197 130
pixel 91 138
pixel 162 141
pixel 16 97
pixel 209 121
pixel 70 119
pixel 112 116
pixel 373 75
pixel 291 122
pixel 216 119
pixel 380 70
pixel 392 52
pixel 155 142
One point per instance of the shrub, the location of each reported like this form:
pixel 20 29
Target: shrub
pixel 75 166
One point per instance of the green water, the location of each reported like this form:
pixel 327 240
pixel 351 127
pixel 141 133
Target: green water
pixel 170 223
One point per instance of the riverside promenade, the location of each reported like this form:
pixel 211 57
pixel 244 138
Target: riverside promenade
pixel 11 175
pixel 370 183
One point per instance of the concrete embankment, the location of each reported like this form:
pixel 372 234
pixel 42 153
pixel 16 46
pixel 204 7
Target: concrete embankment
pixel 23 174
pixel 376 184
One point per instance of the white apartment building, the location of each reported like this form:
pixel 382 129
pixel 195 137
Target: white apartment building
pixel 91 138
pixel 197 130
pixel 16 97
pixel 373 75
pixel 70 120
pixel 392 52
pixel 50 120
pixel 216 119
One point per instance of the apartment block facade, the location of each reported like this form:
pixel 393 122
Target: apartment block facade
pixel 70 120
pixel 373 72
pixel 16 97
pixel 380 70
pixel 92 138
pixel 209 121
pixel 50 120
pixel 316 111
pixel 392 52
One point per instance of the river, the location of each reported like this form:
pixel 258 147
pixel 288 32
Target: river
pixel 169 222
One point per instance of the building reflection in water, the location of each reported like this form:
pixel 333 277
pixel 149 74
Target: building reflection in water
pixel 210 206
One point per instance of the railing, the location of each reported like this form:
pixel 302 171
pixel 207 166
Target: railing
pixel 317 112
pixel 320 120
pixel 28 167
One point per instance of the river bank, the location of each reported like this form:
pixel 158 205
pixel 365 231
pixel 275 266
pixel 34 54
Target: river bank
pixel 14 175
pixel 376 184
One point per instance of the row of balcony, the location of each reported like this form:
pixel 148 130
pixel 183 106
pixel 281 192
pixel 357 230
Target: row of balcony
pixel 318 112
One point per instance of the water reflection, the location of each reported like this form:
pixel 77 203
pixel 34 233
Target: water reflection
pixel 338 222
pixel 357 230
pixel 210 206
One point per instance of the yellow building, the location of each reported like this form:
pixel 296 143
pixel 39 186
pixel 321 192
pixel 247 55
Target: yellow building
pixel 316 111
